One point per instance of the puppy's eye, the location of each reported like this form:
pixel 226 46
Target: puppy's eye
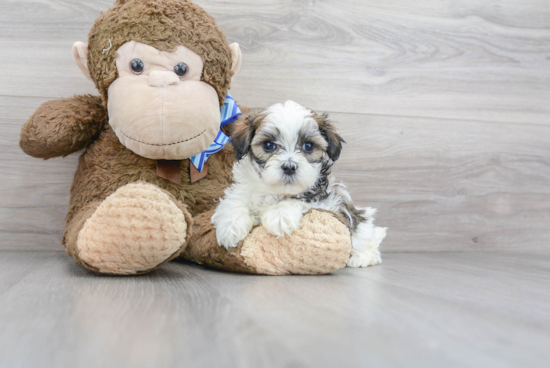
pixel 269 146
pixel 137 66
pixel 181 69
pixel 307 147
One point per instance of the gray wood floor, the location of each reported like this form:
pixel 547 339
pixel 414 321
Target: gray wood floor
pixel 415 310
pixel 445 108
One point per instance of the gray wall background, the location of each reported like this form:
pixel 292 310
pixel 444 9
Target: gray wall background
pixel 445 106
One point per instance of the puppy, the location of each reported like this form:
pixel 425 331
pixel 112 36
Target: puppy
pixel 284 157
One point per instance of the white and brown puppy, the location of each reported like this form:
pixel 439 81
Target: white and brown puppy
pixel 284 158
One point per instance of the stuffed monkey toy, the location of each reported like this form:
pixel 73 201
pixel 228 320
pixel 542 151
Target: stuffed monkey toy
pixel 155 158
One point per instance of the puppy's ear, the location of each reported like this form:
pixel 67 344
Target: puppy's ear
pixel 243 134
pixel 334 140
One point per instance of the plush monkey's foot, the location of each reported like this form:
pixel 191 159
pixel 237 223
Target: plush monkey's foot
pixel 321 245
pixel 134 230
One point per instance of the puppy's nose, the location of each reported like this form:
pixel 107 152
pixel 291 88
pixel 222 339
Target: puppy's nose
pixel 158 78
pixel 289 169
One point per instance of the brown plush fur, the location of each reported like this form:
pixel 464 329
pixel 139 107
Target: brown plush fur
pixel 164 25
pixel 109 165
pixel 61 127
pixel 200 249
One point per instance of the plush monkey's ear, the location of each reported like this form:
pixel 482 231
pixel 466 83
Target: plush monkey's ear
pixel 236 57
pixel 334 140
pixel 80 54
pixel 244 133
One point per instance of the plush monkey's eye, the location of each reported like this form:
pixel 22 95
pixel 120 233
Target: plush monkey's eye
pixel 137 66
pixel 307 147
pixel 181 69
pixel 269 146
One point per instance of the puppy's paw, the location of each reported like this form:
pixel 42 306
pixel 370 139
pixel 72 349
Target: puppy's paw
pixel 232 225
pixel 231 232
pixel 365 243
pixel 283 218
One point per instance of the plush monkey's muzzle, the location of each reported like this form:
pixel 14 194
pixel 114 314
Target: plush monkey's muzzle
pixel 157 116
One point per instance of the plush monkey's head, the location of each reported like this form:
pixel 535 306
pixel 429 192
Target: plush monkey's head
pixel 163 68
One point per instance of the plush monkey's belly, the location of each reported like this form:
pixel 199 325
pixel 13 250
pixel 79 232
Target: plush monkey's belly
pixel 107 165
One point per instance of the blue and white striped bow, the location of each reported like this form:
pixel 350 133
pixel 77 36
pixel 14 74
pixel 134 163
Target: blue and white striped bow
pixel 229 113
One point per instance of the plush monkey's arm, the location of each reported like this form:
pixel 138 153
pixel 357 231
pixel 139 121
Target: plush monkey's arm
pixel 61 127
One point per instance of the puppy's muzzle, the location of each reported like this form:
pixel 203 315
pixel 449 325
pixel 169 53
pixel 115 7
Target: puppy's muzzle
pixel 289 169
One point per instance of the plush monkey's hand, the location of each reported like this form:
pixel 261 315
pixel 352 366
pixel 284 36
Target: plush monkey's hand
pixel 61 127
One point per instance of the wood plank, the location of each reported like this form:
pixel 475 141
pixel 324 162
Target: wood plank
pixel 415 310
pixel 450 185
pixel 469 60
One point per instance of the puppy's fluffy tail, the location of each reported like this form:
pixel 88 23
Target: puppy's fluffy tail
pixel 365 242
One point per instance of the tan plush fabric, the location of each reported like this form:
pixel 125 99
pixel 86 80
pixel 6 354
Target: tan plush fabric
pixel 72 229
pixel 80 55
pixel 236 58
pixel 134 230
pixel 162 125
pixel 321 245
